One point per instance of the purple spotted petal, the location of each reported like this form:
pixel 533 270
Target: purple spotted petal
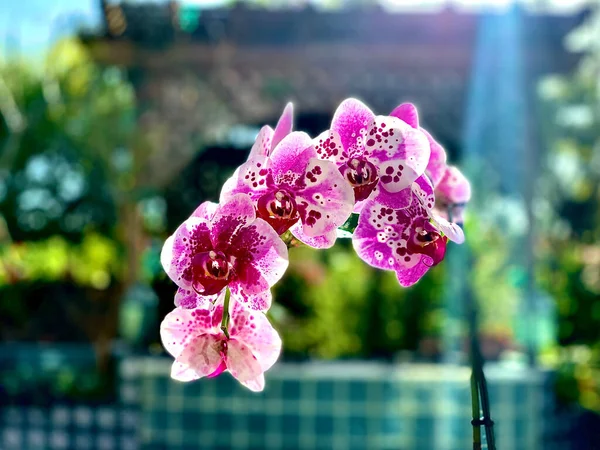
pixel 381 237
pixel 351 121
pixel 192 236
pixel 409 276
pixel 181 326
pixel 326 240
pixel 422 190
pixel 189 299
pixel 230 218
pixel 262 145
pixel 408 113
pixel 400 152
pixel 326 201
pixel 251 178
pixel 329 147
pixel 258 302
pixel 261 258
pixel 254 330
pixel 437 160
pixel 396 200
pixel 205 211
pixel 290 158
pixel 284 125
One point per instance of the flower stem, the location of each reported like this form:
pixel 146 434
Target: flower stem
pixel 475 412
pixel 225 318
pixel 479 387
pixel 487 417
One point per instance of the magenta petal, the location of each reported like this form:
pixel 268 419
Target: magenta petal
pixel 326 201
pixel 326 240
pixel 284 125
pixel 380 239
pixel 400 152
pixel 408 113
pixel 454 186
pixel 250 280
pixel 181 326
pixel 241 362
pixel 190 299
pixel 397 200
pixel 258 302
pixel 422 189
pixel 350 121
pixel 262 145
pixel 409 276
pixel 192 237
pixel 201 355
pixel 291 156
pixel 205 211
pixel 230 217
pixel 250 179
pixel 254 330
pixel 437 160
pixel 329 147
pixel 261 257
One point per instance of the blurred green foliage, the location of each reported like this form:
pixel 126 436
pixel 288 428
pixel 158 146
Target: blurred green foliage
pixel 93 262
pixel 60 170
pixel 569 211
pixel 332 305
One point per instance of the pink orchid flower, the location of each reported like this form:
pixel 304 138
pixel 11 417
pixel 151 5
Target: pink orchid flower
pixel 293 188
pixel 377 155
pixel 225 245
pixel 452 194
pixel 408 240
pixel 201 348
pixel 268 138
pixel 452 189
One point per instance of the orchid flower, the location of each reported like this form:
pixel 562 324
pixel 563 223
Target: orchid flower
pixel 292 187
pixel 408 240
pixel 377 155
pixel 452 194
pixel 225 245
pixel 202 349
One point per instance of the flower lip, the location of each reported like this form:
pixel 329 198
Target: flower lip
pixel 211 271
pixel 428 241
pixel 222 348
pixel 279 209
pixel 362 175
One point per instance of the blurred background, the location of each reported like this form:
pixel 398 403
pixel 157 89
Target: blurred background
pixel 117 118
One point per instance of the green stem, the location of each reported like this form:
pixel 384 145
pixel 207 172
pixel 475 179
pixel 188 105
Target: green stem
pixel 475 412
pixel 225 319
pixel 487 417
pixel 479 388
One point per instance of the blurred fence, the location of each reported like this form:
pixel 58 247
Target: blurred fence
pixel 304 406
